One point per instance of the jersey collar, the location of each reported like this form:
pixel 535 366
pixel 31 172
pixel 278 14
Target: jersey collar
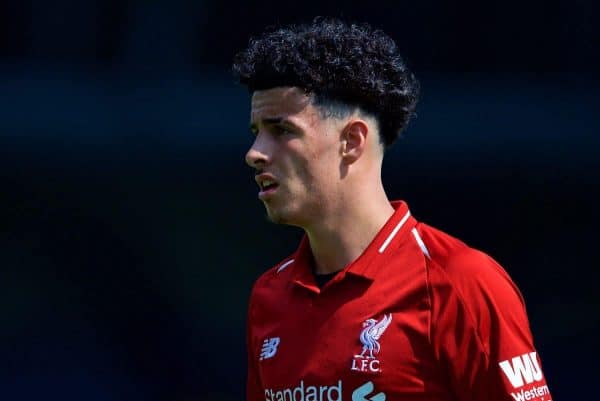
pixel 391 234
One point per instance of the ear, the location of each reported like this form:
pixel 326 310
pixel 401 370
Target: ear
pixel 354 140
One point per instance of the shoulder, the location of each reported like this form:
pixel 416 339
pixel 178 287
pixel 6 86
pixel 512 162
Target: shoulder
pixel 466 269
pixel 473 297
pixel 477 317
pixel 466 280
pixel 469 286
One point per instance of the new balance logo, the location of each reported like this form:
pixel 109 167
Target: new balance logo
pixel 361 393
pixel 269 348
pixel 522 369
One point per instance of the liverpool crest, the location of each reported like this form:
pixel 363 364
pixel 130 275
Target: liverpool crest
pixel 372 331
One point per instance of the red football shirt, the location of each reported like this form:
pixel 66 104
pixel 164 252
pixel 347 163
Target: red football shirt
pixel 418 316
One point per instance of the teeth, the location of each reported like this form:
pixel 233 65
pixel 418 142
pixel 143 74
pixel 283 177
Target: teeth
pixel 266 183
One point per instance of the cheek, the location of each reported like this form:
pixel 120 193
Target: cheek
pixel 321 174
pixel 315 166
pixel 327 163
pixel 305 177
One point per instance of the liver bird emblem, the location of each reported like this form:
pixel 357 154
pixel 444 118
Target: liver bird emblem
pixel 371 333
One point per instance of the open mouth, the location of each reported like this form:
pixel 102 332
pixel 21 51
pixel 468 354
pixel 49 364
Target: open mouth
pixel 267 188
pixel 267 185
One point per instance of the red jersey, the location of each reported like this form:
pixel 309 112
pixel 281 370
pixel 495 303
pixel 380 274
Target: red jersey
pixel 418 316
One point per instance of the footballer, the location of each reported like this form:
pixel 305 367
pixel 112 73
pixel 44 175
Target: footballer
pixel 373 304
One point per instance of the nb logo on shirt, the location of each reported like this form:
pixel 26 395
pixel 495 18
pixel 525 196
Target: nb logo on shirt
pixel 361 393
pixel 269 348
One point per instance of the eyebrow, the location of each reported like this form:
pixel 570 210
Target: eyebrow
pixel 274 121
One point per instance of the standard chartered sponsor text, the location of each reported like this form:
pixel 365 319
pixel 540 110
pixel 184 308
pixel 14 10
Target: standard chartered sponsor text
pixel 303 392
pixel 533 393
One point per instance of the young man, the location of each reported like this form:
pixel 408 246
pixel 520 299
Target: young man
pixel 373 304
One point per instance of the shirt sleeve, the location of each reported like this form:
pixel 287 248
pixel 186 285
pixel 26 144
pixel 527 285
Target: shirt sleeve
pixel 480 332
pixel 254 390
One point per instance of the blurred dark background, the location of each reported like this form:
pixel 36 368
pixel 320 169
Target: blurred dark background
pixel 130 232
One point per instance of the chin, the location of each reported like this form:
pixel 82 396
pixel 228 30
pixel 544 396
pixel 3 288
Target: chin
pixel 279 216
pixel 276 218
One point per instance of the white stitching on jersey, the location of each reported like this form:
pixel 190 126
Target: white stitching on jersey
pixel 286 264
pixel 420 242
pixel 394 232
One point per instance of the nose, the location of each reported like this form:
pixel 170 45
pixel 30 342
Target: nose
pixel 257 155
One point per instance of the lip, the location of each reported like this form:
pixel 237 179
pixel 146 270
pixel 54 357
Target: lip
pixel 265 193
pixel 263 177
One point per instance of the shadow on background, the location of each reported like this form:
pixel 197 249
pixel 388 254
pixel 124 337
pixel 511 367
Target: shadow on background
pixel 131 232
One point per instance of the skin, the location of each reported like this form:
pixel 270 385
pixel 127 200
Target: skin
pixel 327 170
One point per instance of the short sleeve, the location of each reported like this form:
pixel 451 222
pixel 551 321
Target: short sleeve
pixel 480 331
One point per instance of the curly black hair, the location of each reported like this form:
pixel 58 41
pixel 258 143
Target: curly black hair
pixel 338 63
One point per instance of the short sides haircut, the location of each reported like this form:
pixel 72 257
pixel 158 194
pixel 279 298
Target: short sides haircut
pixel 342 66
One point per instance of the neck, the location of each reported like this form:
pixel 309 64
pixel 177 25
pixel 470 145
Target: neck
pixel 342 236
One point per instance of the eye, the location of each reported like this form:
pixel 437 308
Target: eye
pixel 281 130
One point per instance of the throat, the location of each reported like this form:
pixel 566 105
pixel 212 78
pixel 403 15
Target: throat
pixel 340 238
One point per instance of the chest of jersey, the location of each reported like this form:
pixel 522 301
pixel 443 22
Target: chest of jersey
pixel 356 338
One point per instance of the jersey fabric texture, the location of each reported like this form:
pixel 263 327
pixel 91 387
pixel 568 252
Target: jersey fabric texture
pixel 418 316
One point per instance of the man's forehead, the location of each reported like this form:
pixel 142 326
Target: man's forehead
pixel 278 102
